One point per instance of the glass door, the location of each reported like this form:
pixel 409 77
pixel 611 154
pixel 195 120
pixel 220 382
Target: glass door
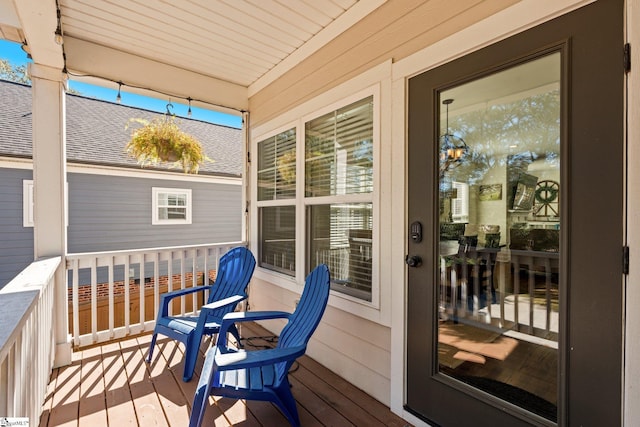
pixel 499 191
pixel 507 313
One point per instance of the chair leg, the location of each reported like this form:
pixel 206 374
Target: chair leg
pixel 287 404
pixel 192 348
pixel 200 402
pixel 151 346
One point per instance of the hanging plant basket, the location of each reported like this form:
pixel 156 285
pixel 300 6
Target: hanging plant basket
pixel 161 140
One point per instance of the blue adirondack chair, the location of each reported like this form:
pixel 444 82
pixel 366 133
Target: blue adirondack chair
pixel 262 374
pixel 230 287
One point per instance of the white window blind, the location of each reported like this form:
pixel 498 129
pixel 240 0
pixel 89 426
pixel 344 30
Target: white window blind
pixel 277 227
pixel 277 167
pixel 340 236
pixel 460 205
pixel 339 151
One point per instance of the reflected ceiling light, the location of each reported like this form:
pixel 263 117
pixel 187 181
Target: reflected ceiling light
pixel 452 148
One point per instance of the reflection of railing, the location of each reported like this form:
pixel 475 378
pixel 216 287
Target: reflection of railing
pixel 127 285
pixel 510 289
pixel 27 340
pixel 278 255
pixel 350 267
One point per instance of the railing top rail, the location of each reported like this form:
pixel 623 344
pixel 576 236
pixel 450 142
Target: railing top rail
pixel 20 295
pixel 82 255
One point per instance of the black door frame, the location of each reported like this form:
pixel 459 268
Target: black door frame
pixel 592 131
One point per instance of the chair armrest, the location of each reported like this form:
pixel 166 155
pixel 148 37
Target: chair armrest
pixel 248 359
pixel 241 316
pixel 224 302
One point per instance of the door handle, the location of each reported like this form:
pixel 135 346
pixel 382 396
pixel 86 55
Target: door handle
pixel 413 260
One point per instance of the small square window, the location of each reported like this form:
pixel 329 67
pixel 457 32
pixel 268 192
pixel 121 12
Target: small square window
pixel 171 206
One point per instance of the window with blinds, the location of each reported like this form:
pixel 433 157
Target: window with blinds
pixel 277 166
pixel 339 164
pixel 340 236
pixel 339 151
pixel 277 228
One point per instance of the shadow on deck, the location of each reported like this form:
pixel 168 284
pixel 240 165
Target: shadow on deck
pixel 112 385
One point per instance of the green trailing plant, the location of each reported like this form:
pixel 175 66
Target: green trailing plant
pixel 161 140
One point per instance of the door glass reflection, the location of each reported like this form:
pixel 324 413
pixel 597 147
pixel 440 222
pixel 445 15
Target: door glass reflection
pixel 499 245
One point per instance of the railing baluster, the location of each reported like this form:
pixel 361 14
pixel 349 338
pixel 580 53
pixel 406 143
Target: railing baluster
pixel 183 272
pixel 127 295
pixel 156 283
pixel 111 299
pixel 194 281
pixel 94 300
pixel 170 279
pixel 75 303
pixel 141 289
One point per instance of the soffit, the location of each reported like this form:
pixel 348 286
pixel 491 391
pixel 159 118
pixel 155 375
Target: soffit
pixel 238 42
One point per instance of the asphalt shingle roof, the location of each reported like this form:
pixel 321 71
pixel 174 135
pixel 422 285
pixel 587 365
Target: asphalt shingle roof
pixel 97 134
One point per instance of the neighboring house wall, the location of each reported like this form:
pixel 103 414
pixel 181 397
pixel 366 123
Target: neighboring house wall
pixel 16 247
pixel 109 213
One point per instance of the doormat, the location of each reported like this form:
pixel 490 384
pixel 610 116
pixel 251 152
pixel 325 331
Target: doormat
pixel 458 343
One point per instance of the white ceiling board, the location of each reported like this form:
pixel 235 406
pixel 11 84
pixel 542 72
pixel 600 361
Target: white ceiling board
pixel 244 43
pixel 238 41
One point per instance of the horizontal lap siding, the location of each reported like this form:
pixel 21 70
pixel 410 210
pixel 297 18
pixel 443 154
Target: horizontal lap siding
pixel 114 213
pixel 394 31
pixel 16 241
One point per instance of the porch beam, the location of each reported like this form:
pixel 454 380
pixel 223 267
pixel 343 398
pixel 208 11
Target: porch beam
pixel 88 58
pixel 49 190
pixel 38 19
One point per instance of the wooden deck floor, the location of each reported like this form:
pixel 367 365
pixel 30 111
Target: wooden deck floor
pixel 112 385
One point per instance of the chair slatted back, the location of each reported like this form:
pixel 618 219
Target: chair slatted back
pixel 232 278
pixel 305 319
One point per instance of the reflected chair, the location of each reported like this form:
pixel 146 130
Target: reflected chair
pixel 263 374
pixel 230 287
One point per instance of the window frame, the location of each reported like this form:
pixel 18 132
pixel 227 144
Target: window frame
pixel 366 309
pixel 27 203
pixel 155 218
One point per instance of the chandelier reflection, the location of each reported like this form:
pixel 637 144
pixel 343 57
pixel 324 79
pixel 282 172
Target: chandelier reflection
pixel 452 148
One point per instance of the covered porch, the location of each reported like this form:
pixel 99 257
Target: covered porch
pixel 278 65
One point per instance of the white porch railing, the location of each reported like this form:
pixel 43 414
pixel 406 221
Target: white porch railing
pixel 116 294
pixel 27 340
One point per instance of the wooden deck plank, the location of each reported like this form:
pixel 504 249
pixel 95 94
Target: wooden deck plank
pixel 93 410
pixel 48 400
pixel 120 409
pixel 136 393
pixel 65 402
pixel 145 400
pixel 173 401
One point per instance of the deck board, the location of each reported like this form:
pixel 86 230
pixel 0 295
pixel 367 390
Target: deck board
pixel 112 385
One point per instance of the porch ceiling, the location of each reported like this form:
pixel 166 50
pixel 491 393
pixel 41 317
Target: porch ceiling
pixel 233 48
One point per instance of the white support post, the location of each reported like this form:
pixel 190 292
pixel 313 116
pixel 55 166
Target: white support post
pixel 49 190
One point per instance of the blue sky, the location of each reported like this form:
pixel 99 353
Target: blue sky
pixel 13 52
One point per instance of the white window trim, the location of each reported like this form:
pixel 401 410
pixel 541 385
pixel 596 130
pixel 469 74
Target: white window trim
pixel 376 82
pixel 27 203
pixel 155 220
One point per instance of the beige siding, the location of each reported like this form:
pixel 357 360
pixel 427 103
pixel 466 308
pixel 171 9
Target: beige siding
pixel 356 349
pixel 394 31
